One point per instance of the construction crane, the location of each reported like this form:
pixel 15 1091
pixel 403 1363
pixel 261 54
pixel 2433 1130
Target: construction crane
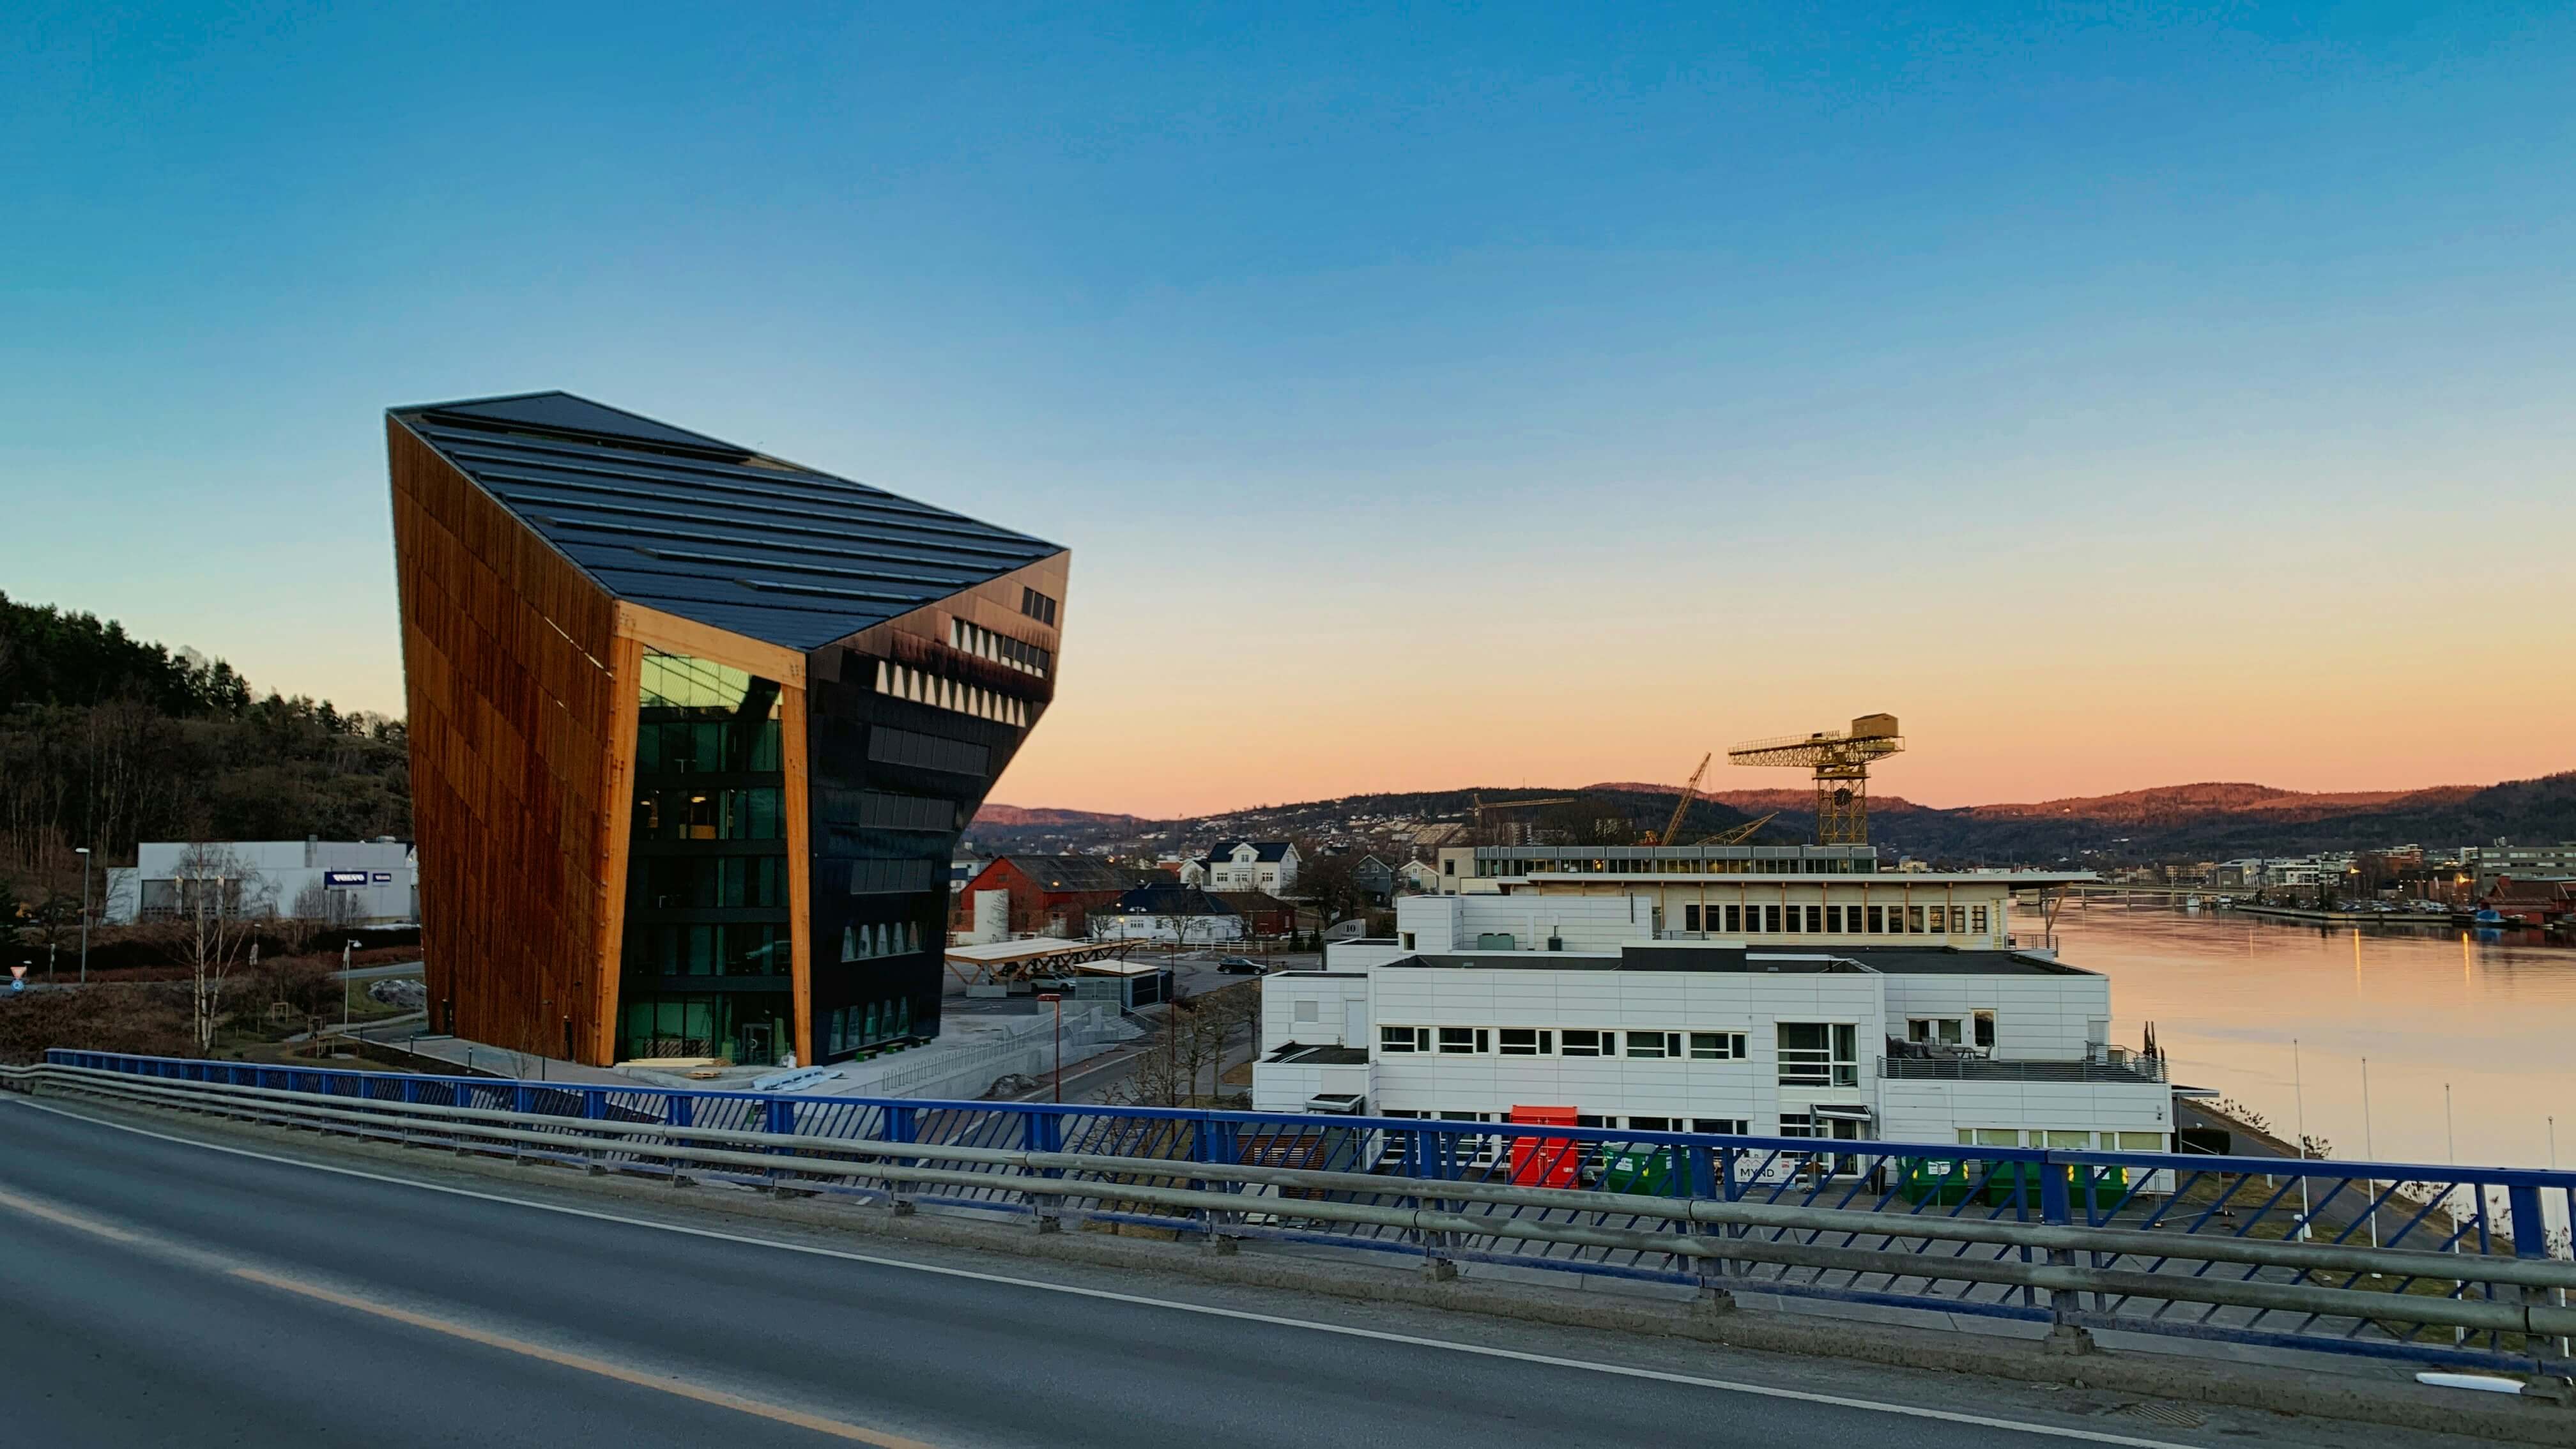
pixel 1840 760
pixel 1737 835
pixel 1482 806
pixel 1673 827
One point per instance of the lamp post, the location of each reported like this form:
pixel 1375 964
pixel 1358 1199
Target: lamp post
pixel 83 852
pixel 1055 999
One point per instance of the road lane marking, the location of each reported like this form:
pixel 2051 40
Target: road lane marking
pixel 70 1220
pixel 680 1388
pixel 1241 1315
pixel 668 1384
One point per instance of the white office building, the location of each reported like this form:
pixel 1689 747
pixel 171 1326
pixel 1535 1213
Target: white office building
pixel 344 882
pixel 1800 1008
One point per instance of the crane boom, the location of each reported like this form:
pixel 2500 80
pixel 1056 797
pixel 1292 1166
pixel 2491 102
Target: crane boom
pixel 1673 827
pixel 1741 833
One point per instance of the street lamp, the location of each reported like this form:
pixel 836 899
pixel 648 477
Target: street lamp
pixel 83 852
pixel 1056 1000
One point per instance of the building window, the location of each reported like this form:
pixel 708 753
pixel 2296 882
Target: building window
pixel 1958 920
pixel 1522 1041
pixel 1463 1041
pixel 1690 918
pixel 1404 1038
pixel 1587 1043
pixel 1877 921
pixel 1977 919
pixel 1735 920
pixel 1797 1124
pixel 1986 1030
pixel 1819 1054
pixel 1795 918
pixel 1308 1012
pixel 1650 1124
pixel 1718 1126
pixel 1717 1046
pixel 1654 1043
pixel 1037 606
pixel 1771 920
pixel 1938 1030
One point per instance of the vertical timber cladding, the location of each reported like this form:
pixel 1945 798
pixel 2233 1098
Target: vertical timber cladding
pixel 907 731
pixel 507 652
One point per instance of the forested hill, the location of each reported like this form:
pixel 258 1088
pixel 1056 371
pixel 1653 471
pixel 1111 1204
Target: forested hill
pixel 106 740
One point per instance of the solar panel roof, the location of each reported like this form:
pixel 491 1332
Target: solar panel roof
pixel 711 531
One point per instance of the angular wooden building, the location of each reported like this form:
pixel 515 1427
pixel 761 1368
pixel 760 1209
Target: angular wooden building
pixel 693 731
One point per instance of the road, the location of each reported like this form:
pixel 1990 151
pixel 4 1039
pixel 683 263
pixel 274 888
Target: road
pixel 162 1291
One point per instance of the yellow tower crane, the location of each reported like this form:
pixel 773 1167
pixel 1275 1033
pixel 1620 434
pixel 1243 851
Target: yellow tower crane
pixel 1840 760
pixel 1673 827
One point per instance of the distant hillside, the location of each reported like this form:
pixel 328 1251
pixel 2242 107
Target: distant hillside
pixel 2171 804
pixel 2195 822
pixel 1016 815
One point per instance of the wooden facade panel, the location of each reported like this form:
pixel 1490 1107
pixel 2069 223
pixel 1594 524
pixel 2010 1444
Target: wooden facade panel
pixel 507 649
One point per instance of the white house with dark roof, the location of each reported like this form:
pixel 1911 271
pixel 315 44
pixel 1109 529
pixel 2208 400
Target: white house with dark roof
pixel 1249 865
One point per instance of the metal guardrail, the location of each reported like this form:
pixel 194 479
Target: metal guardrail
pixel 2193 1247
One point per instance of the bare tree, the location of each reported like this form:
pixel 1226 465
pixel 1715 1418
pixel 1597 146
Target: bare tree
pixel 219 896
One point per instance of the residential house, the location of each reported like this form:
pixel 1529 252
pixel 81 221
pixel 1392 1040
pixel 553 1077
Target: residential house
pixel 1263 913
pixel 1176 914
pixel 1250 865
pixel 1376 879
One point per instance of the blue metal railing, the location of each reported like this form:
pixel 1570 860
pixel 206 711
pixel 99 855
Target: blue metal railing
pixel 2471 1213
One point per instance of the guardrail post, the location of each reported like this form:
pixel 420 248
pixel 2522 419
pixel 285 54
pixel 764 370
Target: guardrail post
pixel 1431 1160
pixel 1214 1142
pixel 2530 1240
pixel 2064 1335
pixel 902 1124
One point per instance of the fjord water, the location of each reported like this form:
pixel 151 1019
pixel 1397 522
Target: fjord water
pixel 2428 1005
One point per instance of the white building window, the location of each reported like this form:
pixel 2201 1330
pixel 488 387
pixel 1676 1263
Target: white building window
pixel 1819 1054
pixel 1523 1041
pixel 1404 1038
pixel 1309 1011
pixel 1717 1046
pixel 1719 1126
pixel 1588 1043
pixel 1936 1030
pixel 1463 1041
pixel 1654 1043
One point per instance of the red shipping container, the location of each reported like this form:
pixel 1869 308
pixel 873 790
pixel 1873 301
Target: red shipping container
pixel 1544 1161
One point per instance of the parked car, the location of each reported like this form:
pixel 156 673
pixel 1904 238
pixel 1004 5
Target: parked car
pixel 1238 966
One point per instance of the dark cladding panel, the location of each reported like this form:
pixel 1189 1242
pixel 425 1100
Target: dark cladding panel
pixel 890 746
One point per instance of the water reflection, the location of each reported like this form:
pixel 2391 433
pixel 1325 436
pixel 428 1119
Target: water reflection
pixel 2490 1013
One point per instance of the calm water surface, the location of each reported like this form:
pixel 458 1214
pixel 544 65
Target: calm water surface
pixel 2496 1020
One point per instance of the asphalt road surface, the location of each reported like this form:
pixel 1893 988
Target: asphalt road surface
pixel 160 1291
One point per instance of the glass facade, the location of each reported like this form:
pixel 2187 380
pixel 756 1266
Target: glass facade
pixel 706 969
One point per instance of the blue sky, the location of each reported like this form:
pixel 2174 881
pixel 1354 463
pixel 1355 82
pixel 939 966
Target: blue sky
pixel 1642 377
